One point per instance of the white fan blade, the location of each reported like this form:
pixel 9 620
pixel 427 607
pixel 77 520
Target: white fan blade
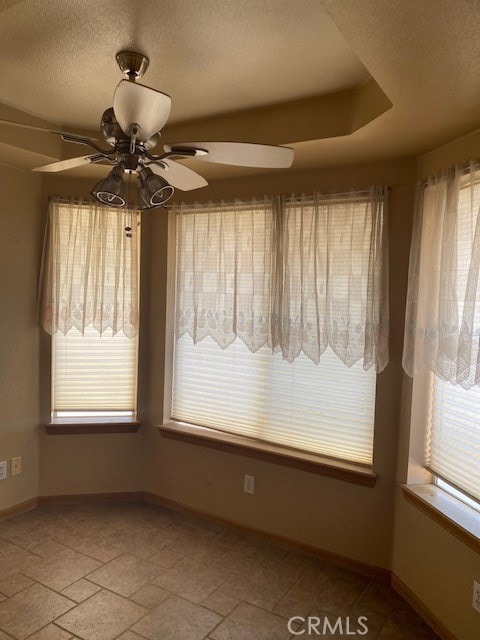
pixel 63 165
pixel 241 154
pixel 137 104
pixel 179 176
pixel 54 131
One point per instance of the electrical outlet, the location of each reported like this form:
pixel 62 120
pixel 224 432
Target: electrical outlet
pixel 3 470
pixel 249 484
pixel 16 466
pixel 476 596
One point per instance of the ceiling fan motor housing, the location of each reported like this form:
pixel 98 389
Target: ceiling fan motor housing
pixel 116 138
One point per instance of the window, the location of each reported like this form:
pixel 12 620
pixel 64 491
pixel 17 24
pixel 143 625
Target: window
pixel 442 332
pixel 93 376
pixel 89 304
pixel 279 375
pixel 453 438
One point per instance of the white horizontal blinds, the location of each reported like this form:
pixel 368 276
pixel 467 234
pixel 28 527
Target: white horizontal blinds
pixel 454 439
pixel 326 408
pixel 94 373
pixel 454 444
pixel 91 305
pixel 295 277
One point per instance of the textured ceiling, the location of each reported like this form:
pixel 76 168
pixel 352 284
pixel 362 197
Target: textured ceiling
pixel 57 57
pixel 409 71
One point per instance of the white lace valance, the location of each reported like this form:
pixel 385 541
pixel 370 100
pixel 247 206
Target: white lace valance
pixel 442 327
pixel 296 274
pixel 90 270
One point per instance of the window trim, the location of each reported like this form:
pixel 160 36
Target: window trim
pixel 353 472
pixel 451 513
pixel 420 489
pixel 62 428
pixel 101 425
pixel 275 454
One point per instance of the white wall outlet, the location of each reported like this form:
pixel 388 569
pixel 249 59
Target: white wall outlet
pixel 3 470
pixel 476 596
pixel 16 466
pixel 249 484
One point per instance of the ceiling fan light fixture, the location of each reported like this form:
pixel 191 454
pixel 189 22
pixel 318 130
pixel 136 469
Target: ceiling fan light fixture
pixel 153 190
pixel 111 190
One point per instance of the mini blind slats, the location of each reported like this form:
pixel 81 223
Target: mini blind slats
pixel 326 409
pixel 454 443
pixel 298 274
pixel 93 372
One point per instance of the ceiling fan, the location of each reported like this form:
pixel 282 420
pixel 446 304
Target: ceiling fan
pixel 132 129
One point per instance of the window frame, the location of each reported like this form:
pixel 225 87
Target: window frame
pixel 352 472
pixel 100 424
pixel 420 487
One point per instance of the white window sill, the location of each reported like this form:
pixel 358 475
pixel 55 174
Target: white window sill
pixel 455 516
pixel 276 454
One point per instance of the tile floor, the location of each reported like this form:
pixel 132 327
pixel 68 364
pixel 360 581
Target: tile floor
pixel 132 571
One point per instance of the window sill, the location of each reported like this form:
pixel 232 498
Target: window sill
pixel 349 472
pixel 79 427
pixel 458 518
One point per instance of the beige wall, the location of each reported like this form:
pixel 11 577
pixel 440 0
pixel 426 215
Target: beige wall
pixel 19 374
pixel 433 563
pixel 96 463
pixel 354 521
pixel 342 518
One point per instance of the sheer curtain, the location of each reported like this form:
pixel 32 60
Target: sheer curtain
pixel 296 274
pixel 90 270
pixel 442 328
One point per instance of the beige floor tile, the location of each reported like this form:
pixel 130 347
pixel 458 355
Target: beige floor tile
pixel 104 616
pixel 201 546
pixel 381 598
pixel 310 588
pixel 166 538
pixel 14 559
pixel 220 602
pixel 14 584
pixel 21 534
pixel 139 539
pixel 177 619
pixel 346 625
pixel 150 596
pixel 52 632
pixel 90 546
pixel 394 630
pixel 48 548
pixel 81 590
pixel 191 580
pixel 260 587
pixel 247 622
pixel 125 575
pixel 62 569
pixel 261 553
pixel 43 606
pixel 198 523
pixel 233 562
pixel 166 558
pixel 339 596
pixel 289 607
pixel 178 529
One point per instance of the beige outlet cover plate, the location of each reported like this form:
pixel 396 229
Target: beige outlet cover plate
pixel 16 467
